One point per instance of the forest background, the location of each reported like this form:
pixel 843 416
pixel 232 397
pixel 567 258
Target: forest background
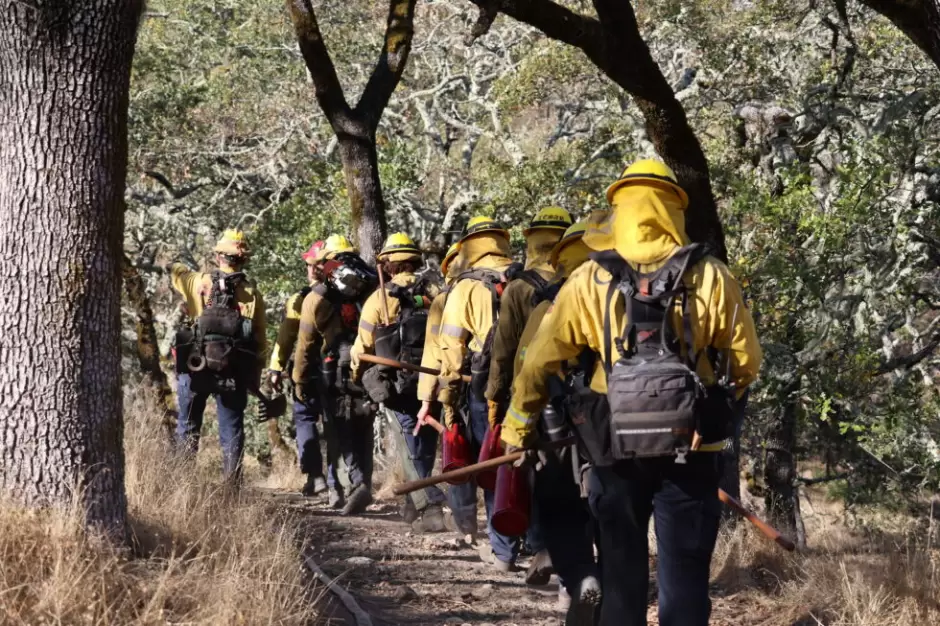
pixel 819 121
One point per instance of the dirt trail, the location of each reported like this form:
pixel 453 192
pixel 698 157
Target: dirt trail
pixel 402 578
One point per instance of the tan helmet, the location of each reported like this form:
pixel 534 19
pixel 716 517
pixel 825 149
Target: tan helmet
pixel 449 257
pixel 552 218
pixel 399 247
pixel 233 243
pixel 574 233
pixel 649 171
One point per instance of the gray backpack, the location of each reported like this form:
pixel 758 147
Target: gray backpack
pixel 655 396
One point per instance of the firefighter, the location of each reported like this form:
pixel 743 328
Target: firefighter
pixel 646 289
pixel 565 520
pixel 306 413
pixel 393 325
pixel 544 231
pixel 328 322
pixel 469 315
pixel 219 361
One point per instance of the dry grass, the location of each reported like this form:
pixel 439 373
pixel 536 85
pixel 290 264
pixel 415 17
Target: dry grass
pixel 199 555
pixel 845 578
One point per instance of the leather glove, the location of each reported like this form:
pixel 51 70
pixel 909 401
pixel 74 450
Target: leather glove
pixel 496 413
pixel 450 415
pixel 531 457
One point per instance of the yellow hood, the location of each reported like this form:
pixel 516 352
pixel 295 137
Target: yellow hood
pixel 477 247
pixel 570 257
pixel 538 252
pixel 645 226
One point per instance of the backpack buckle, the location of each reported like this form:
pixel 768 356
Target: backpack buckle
pixel 681 453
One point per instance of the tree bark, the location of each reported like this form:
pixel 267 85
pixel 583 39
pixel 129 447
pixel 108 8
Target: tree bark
pixel 355 128
pixel 782 497
pixel 612 41
pixel 148 351
pixel 64 79
pixel 918 19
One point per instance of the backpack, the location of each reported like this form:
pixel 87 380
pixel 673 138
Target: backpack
pixel 222 341
pixel 654 394
pixel 495 282
pixel 401 340
pixel 336 358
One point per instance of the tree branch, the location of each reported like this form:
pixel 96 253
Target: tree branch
pixel 399 33
pixel 556 21
pixel 329 91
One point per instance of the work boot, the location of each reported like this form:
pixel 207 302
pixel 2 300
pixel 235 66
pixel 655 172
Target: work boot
pixel 432 521
pixel 540 570
pixel 359 499
pixel 465 527
pixel 408 511
pixel 488 557
pixel 315 485
pixel 336 499
pixel 583 609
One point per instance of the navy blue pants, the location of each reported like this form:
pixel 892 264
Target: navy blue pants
pixel 230 407
pixel 422 449
pixel 306 415
pixel 348 428
pixel 683 500
pixel 565 522
pixel 463 498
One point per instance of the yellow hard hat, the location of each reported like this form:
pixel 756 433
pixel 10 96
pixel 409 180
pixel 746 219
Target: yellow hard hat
pixel 233 243
pixel 399 247
pixel 449 257
pixel 482 224
pixel 574 233
pixel 336 244
pixel 552 217
pixel 649 171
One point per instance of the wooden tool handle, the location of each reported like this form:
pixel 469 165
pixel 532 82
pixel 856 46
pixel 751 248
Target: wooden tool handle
pixel 381 360
pixel 769 531
pixel 476 468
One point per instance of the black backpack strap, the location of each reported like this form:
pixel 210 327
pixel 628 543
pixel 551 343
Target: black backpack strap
pixel 533 278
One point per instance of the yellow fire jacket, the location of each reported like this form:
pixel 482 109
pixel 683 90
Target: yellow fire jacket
pixel 468 314
pixel 645 235
pixel 373 316
pixel 195 288
pixel 287 333
pixel 431 358
pixel 320 325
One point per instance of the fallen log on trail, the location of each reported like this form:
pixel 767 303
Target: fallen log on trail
pixel 381 360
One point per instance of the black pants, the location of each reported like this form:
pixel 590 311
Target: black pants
pixel 565 523
pixel 683 499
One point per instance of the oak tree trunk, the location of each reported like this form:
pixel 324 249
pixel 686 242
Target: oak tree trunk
pixel 64 78
pixel 358 154
pixel 782 499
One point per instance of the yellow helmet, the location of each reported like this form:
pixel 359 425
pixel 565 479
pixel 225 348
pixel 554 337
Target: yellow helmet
pixel 233 243
pixel 336 244
pixel 649 171
pixel 399 247
pixel 574 233
pixel 482 224
pixel 449 257
pixel 552 217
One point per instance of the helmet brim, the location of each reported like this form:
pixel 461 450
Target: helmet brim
pixel 494 229
pixel 662 183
